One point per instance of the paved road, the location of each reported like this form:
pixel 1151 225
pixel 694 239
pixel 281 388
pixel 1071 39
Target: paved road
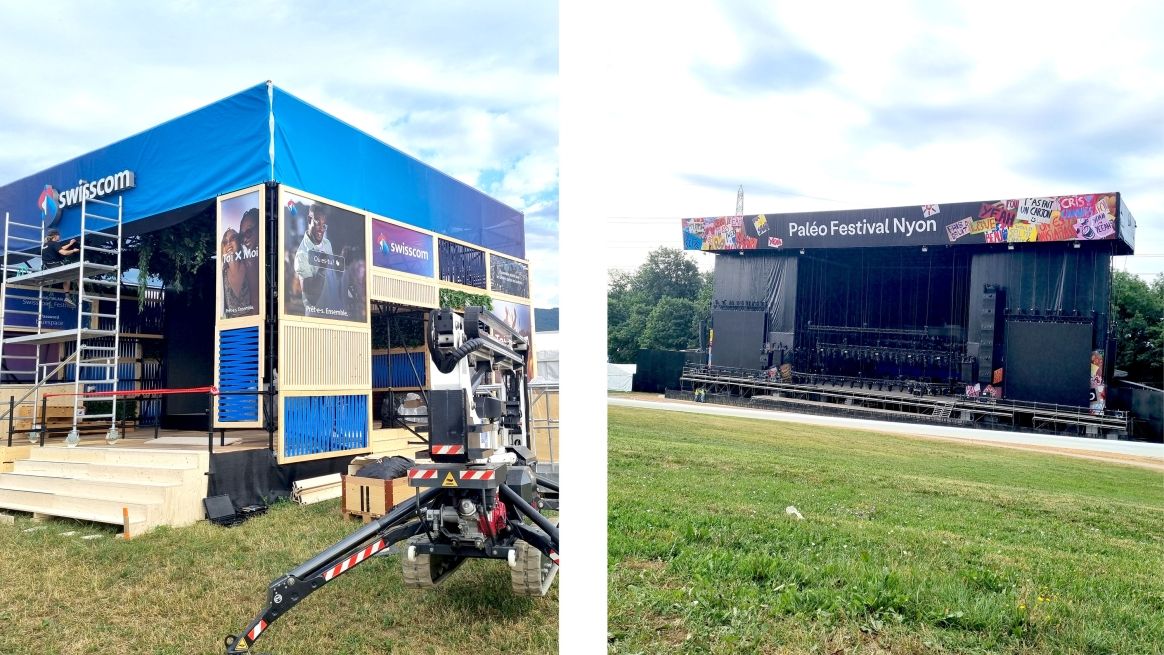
pixel 1131 448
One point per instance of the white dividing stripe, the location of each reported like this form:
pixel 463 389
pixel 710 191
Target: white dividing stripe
pixel 257 630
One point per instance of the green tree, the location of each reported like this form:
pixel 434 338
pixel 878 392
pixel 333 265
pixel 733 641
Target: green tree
pixel 668 326
pixel 1138 309
pixel 667 273
pixel 702 317
pixel 638 314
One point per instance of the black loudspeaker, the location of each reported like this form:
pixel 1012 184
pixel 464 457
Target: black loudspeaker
pixel 968 372
pixel 989 331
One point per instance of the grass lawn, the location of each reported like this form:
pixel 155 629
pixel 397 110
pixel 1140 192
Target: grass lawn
pixel 180 591
pixel 907 545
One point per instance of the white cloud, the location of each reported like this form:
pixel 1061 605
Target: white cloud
pixel 464 87
pixel 915 102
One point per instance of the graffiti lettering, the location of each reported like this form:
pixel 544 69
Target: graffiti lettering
pixel 958 229
pixel 982 225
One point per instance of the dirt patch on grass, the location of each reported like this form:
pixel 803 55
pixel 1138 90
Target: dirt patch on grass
pixel 1117 458
pixel 642 565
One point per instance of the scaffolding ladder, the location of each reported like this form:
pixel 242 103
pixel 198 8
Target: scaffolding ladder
pixel 93 363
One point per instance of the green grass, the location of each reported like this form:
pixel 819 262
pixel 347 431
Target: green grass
pixel 907 545
pixel 179 591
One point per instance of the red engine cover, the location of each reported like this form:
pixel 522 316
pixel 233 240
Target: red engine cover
pixel 492 523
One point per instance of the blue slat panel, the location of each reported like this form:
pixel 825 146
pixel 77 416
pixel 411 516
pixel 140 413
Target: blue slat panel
pixel 407 370
pixel 398 370
pixel 380 371
pixel 314 425
pixel 238 370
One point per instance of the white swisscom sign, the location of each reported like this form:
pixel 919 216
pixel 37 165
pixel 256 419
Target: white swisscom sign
pixel 97 188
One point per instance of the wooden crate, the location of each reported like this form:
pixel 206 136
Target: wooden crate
pixel 371 498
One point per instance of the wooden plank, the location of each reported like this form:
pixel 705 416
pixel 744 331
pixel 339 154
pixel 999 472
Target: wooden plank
pixel 314 490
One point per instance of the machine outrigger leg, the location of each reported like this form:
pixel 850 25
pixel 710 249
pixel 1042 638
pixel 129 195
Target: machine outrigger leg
pixel 405 522
pixel 287 591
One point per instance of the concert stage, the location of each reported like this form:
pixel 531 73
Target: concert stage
pixel 990 312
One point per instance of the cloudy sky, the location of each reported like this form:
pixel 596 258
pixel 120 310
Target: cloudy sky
pixel 470 88
pixel 818 106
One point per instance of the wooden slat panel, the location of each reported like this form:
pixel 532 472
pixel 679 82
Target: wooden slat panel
pixel 319 357
pixel 407 292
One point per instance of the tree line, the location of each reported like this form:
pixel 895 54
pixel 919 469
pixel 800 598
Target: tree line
pixel 1138 320
pixel 660 305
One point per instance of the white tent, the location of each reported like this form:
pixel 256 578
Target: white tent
pixel 546 354
pixel 619 376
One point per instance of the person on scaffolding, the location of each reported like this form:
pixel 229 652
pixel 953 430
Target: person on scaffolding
pixel 54 254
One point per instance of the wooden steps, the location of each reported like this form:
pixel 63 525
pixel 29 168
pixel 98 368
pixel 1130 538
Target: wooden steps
pixel 136 488
pixel 9 455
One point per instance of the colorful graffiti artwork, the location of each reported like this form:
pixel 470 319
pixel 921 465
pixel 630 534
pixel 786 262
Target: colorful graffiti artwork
pixel 1098 399
pixel 721 233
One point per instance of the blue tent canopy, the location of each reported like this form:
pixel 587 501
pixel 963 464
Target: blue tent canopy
pixel 266 134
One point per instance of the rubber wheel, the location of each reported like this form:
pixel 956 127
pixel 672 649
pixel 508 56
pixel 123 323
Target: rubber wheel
pixel 426 571
pixel 533 573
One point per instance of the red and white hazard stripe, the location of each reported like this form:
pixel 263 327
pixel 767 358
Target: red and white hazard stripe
pixel 256 631
pixel 477 475
pixel 354 559
pixel 421 474
pixel 554 557
pixel 448 450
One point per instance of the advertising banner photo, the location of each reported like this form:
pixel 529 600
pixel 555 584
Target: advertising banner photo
pixel 515 315
pixel 324 268
pixel 401 249
pixel 240 259
pixel 508 276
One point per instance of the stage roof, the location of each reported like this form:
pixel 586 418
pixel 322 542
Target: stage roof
pixel 265 134
pixel 1088 217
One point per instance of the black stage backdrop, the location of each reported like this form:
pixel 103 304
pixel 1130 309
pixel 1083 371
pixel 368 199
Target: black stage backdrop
pixel 765 278
pixel 884 288
pixel 1050 278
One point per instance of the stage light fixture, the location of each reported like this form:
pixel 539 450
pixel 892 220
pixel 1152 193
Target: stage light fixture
pixel 1010 246
pixel 925 249
pixel 802 251
pixel 1075 244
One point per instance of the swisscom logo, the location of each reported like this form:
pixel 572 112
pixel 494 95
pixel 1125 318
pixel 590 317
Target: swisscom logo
pixel 50 205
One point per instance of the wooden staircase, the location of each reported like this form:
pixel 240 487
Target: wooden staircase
pixel 136 488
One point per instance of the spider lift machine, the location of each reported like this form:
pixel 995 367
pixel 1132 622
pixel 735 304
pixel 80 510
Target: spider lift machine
pixel 476 491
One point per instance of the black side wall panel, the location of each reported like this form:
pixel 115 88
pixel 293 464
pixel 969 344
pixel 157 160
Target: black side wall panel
pixel 739 339
pixel 1048 362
